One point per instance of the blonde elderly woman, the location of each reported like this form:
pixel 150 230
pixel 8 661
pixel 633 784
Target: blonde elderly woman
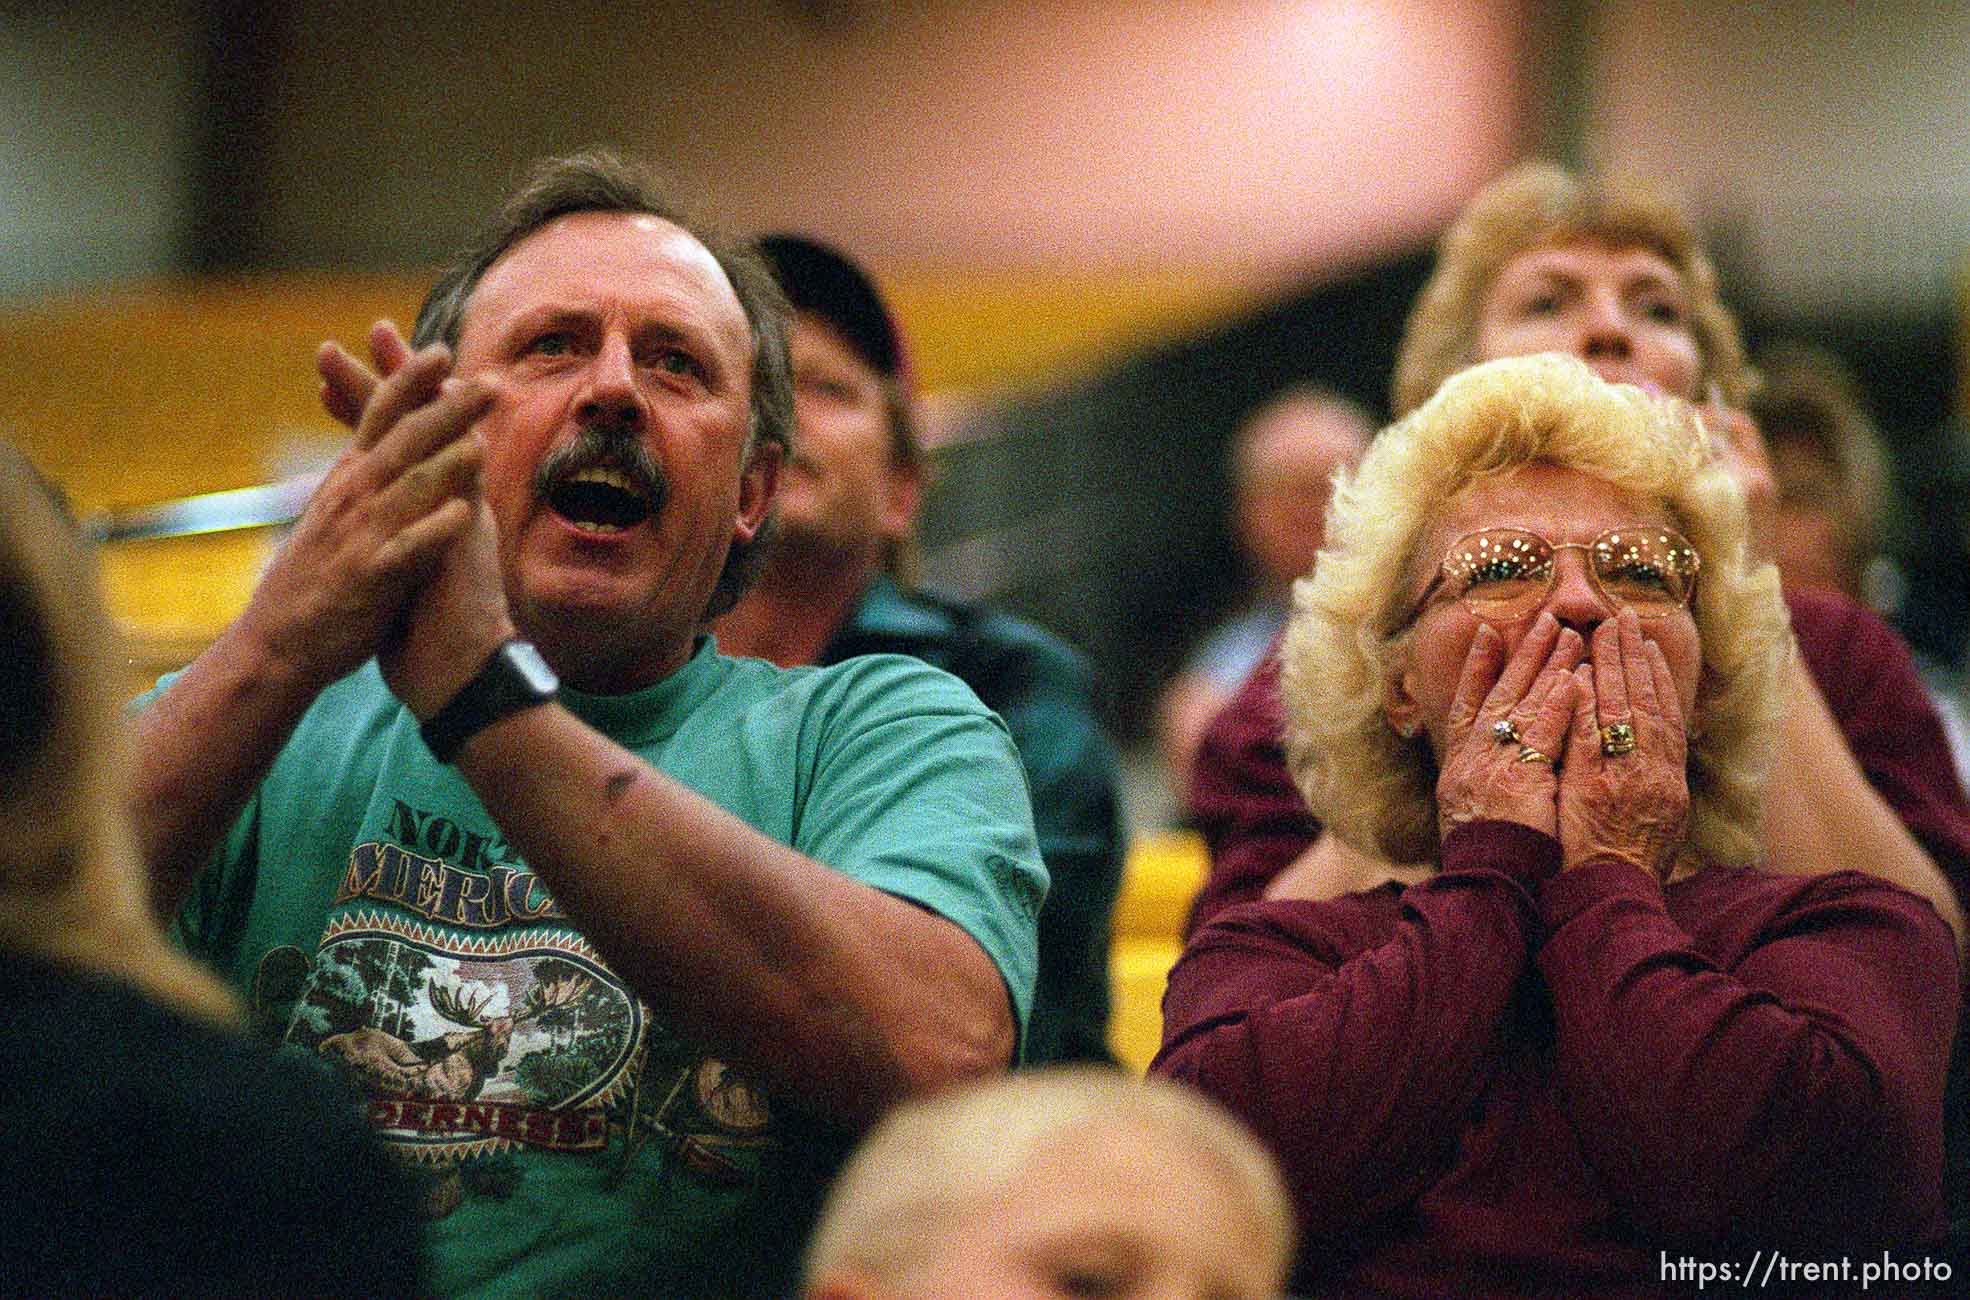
pixel 1534 658
pixel 145 1148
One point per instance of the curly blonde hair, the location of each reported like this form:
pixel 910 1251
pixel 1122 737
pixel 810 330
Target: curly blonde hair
pixel 1377 790
pixel 1536 205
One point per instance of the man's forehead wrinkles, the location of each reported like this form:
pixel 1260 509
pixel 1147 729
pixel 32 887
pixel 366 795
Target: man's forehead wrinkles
pixel 666 323
pixel 589 265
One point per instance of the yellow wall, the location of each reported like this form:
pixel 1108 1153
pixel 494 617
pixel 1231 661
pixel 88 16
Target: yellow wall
pixel 976 331
pixel 1164 871
pixel 145 394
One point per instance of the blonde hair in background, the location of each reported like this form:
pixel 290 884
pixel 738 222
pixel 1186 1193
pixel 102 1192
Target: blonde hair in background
pixel 1377 790
pixel 72 885
pixel 1537 205
pixel 913 1179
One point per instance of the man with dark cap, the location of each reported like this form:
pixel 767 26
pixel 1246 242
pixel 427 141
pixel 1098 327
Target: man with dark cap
pixel 837 583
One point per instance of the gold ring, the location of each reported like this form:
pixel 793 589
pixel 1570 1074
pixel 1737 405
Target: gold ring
pixel 1506 731
pixel 1617 738
pixel 1527 754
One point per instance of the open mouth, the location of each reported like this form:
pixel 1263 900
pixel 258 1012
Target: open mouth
pixel 600 500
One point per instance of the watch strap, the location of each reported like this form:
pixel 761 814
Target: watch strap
pixel 513 677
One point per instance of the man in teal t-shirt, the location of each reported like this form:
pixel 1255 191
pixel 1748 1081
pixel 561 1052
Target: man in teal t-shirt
pixel 622 965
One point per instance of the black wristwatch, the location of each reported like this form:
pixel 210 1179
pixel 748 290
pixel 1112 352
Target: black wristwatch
pixel 513 678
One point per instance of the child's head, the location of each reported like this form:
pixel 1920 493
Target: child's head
pixel 1062 1182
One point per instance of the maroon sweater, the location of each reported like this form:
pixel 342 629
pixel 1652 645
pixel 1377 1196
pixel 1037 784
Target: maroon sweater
pixel 1513 1081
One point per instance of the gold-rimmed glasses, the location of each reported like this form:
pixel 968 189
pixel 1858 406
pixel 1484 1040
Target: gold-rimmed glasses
pixel 1502 574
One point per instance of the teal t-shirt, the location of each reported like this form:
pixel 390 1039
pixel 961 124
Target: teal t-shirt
pixel 373 913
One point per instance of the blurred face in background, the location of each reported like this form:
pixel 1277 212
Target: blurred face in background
pixel 1813 537
pixel 1286 465
pixel 842 490
pixel 1624 311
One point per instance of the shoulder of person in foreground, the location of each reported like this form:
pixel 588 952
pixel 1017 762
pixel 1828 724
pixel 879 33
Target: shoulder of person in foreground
pixel 224 1168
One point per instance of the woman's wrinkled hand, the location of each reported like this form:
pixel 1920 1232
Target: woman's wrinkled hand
pixel 1625 793
pixel 1507 728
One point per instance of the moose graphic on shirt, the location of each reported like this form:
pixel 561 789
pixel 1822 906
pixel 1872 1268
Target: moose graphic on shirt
pixel 451 1066
pixel 525 1023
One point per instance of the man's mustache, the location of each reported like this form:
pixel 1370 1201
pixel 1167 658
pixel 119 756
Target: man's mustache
pixel 611 444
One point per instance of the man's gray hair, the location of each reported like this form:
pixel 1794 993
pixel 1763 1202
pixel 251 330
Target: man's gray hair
pixel 597 180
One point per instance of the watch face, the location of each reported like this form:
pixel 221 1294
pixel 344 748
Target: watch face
pixel 514 678
pixel 527 661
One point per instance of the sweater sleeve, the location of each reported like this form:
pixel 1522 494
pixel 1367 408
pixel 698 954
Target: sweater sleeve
pixel 1243 800
pixel 1872 687
pixel 1793 1097
pixel 1352 1035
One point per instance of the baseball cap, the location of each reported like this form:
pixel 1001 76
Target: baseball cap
pixel 822 280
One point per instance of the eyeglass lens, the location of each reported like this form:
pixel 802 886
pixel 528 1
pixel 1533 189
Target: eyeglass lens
pixel 1506 572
